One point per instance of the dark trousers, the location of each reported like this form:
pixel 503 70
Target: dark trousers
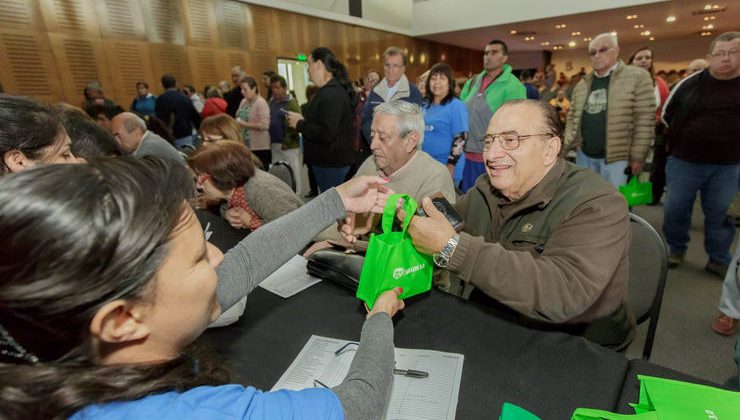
pixel 265 156
pixel 657 171
pixel 312 180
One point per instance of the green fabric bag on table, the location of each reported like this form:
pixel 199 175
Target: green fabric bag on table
pixel 391 259
pixel 636 192
pixel 666 399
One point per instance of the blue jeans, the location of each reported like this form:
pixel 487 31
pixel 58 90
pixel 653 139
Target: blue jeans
pixel 613 172
pixel 329 177
pixel 185 142
pixel 717 184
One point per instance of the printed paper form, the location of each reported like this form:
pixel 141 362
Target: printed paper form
pixel 290 278
pixel 431 398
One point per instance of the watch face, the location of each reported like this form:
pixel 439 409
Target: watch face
pixel 439 260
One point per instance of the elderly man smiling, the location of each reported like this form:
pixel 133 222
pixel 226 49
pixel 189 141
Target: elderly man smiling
pixel 542 237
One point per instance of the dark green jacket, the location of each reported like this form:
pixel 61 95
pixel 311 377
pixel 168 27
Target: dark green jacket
pixel 558 256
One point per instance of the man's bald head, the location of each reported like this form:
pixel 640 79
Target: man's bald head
pixel 696 66
pixel 128 129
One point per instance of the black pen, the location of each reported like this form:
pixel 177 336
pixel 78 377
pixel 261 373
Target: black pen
pixel 411 373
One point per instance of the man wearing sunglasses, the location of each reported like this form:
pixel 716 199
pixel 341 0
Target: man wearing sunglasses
pixel 611 122
pixel 545 242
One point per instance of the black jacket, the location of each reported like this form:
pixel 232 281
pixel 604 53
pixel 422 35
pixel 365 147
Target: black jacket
pixel 327 128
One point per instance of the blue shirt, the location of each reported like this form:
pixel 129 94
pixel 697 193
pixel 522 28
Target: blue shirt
pixel 442 124
pixel 222 402
pixel 145 105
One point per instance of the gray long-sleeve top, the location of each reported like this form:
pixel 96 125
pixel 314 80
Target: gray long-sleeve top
pixel 364 392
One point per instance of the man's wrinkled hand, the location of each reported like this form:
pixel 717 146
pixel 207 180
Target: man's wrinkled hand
pixel 429 234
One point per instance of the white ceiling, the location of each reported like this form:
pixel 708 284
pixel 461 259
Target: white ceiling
pixel 689 21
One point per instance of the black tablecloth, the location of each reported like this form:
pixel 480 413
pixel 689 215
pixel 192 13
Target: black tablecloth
pixel 547 373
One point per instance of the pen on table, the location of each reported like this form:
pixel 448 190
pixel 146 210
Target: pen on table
pixel 411 373
pixel 317 382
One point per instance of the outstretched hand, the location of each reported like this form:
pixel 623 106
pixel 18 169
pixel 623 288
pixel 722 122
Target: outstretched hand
pixel 364 194
pixel 388 302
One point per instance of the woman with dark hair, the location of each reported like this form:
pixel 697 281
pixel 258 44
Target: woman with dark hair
pixel 253 116
pixel 143 103
pixel 446 121
pixel 107 280
pixel 327 125
pixel 643 58
pixel 225 172
pixel 88 140
pixel 31 134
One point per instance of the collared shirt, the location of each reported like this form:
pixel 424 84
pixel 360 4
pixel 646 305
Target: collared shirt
pixel 405 165
pixel 608 72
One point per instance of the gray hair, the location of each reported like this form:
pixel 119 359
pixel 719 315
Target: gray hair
pixel 132 122
pixel 725 37
pixel 606 35
pixel 395 51
pixel 409 116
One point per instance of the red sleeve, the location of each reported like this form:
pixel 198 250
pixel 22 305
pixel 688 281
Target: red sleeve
pixel 663 92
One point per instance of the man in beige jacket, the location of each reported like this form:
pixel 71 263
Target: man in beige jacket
pixel 611 121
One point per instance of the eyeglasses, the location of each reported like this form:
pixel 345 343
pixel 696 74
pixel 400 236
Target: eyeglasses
pixel 202 178
pixel 393 66
pixel 601 50
pixel 508 140
pixel 723 54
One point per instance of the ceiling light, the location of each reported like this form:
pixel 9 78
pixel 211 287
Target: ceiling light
pixel 710 17
pixel 575 33
pixel 529 38
pixel 716 6
pixel 645 33
pixel 560 26
pixel 513 31
pixel 707 27
pixel 706 33
pixel 630 17
pixel 652 38
pixel 708 7
pixel 545 43
pixel 614 33
pixel 572 44
pixel 588 38
pixel 640 26
pixel 670 19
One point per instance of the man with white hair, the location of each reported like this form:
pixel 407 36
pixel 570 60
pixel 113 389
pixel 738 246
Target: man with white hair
pixel 397 133
pixel 133 137
pixel 611 121
pixel 696 66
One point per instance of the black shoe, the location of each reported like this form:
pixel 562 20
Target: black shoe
pixel 716 267
pixel 311 194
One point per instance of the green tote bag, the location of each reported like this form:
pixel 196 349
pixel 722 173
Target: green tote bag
pixel 666 399
pixel 637 193
pixel 391 259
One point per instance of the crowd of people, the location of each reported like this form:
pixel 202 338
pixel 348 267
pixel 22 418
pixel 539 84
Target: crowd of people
pixel 99 319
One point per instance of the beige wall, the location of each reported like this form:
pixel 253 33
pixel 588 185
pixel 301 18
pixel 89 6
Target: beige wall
pixel 50 49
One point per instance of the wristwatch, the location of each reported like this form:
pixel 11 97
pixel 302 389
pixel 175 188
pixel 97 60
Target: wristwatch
pixel 442 258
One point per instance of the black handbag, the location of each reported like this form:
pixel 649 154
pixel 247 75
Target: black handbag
pixel 337 266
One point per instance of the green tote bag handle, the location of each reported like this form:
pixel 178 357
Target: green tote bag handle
pixel 389 211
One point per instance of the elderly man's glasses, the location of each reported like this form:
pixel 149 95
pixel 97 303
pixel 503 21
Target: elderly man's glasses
pixel 508 140
pixel 601 50
pixel 723 54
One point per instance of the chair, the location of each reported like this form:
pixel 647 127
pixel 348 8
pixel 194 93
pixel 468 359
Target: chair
pixel 282 170
pixel 648 271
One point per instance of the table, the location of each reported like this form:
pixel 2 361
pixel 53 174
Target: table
pixel 548 373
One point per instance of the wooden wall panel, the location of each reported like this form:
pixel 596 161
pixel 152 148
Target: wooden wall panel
pixel 21 14
pixel 203 65
pixel 163 19
pixel 52 48
pixel 120 19
pixel 70 16
pixel 80 60
pixel 233 24
pixel 260 23
pixel 129 63
pixel 28 66
pixel 200 22
pixel 171 59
